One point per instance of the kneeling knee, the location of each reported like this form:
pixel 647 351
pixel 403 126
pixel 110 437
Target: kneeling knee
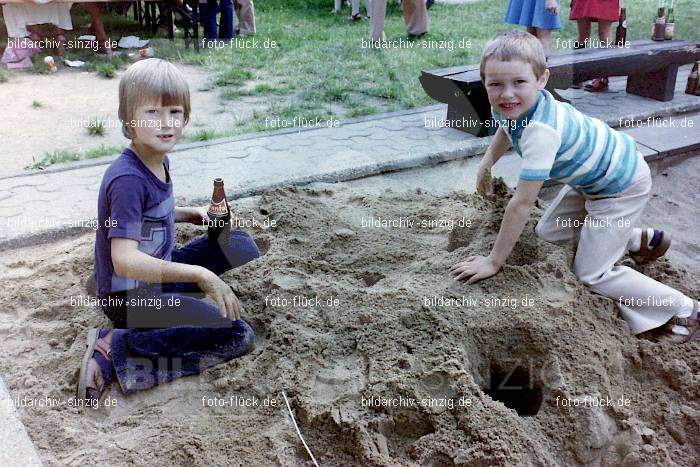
pixel 248 339
pixel 587 278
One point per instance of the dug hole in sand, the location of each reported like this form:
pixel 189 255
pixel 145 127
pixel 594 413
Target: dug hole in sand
pixel 386 360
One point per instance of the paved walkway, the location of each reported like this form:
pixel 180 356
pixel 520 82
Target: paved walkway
pixel 35 207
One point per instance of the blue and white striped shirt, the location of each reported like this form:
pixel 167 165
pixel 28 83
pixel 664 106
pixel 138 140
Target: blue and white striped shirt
pixel 557 141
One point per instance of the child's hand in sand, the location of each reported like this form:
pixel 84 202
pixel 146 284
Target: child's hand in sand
pixel 221 293
pixel 484 183
pixel 474 269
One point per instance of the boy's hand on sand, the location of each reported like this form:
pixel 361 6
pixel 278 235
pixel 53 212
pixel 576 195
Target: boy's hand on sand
pixel 221 293
pixel 484 184
pixel 474 269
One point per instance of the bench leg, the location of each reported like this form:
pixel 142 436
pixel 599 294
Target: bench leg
pixel 658 85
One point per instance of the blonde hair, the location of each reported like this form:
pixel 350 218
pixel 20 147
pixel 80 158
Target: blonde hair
pixel 151 80
pixel 515 45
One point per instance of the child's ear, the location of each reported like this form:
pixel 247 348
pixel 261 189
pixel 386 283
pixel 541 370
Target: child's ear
pixel 543 79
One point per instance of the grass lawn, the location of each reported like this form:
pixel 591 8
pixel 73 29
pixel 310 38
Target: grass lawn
pixel 320 69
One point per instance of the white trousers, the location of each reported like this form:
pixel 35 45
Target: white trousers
pixel 602 228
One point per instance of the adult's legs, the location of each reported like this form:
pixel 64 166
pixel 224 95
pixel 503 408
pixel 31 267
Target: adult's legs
pixel 355 10
pixel 544 36
pixel 584 30
pixel 98 26
pixel 415 15
pixel 208 14
pixel 377 23
pixel 34 32
pixel 226 20
pixel 604 31
pixel 246 17
pixel 604 36
pixel 356 7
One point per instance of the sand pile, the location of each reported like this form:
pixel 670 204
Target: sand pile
pixel 385 359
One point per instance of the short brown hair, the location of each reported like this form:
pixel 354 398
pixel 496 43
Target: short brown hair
pixel 515 45
pixel 151 80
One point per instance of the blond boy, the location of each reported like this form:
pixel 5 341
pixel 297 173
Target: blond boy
pixel 150 290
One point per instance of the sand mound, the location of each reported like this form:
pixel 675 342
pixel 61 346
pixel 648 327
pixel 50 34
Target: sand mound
pixel 386 360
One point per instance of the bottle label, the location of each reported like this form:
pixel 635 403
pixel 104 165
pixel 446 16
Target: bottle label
pixel 669 30
pixel 218 209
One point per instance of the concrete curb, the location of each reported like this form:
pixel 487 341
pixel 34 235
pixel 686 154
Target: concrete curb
pixel 333 177
pixel 17 449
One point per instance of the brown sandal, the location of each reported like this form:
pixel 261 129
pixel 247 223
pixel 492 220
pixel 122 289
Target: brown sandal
pixel 88 395
pixel 646 255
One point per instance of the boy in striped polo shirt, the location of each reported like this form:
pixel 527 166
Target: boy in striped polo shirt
pixel 607 184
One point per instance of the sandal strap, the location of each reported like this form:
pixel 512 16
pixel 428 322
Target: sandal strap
pixel 106 367
pixel 104 349
pixel 687 322
pixel 644 248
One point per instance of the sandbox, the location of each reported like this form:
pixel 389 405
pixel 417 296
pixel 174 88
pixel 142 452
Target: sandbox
pixel 384 358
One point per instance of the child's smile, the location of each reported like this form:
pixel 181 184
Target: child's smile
pixel 512 86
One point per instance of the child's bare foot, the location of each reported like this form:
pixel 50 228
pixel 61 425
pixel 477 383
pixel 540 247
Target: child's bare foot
pixel 96 369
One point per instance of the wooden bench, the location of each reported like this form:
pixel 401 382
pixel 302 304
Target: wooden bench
pixel 651 69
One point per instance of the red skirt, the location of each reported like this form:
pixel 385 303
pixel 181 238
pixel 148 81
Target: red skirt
pixel 608 10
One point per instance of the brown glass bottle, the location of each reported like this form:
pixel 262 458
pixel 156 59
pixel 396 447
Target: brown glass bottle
pixel 692 86
pixel 219 227
pixel 621 31
pixel 660 25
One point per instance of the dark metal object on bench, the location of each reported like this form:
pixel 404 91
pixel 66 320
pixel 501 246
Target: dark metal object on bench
pixel 651 68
